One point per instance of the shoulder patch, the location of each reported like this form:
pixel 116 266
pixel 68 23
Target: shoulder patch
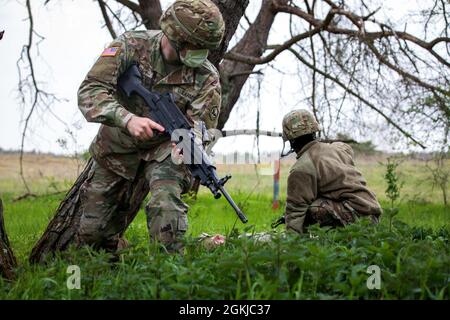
pixel 110 52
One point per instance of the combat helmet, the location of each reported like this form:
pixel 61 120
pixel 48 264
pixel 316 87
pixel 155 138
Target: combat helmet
pixel 298 123
pixel 198 22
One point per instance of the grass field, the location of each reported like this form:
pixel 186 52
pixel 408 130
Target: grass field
pixel 413 256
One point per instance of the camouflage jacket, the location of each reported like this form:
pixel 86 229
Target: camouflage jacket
pixel 197 94
pixel 326 170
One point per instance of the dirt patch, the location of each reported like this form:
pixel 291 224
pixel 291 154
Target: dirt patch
pixel 37 166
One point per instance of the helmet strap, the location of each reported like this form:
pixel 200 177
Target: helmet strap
pixel 282 155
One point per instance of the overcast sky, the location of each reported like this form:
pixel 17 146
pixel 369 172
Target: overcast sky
pixel 74 39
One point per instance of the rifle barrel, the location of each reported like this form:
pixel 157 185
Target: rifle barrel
pixel 240 214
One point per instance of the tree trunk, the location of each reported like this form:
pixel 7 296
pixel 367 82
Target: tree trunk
pixel 150 13
pixel 232 12
pixel 234 74
pixel 7 259
pixel 62 229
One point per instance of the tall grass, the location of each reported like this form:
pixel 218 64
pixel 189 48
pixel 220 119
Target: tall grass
pixel 413 256
pixel 333 264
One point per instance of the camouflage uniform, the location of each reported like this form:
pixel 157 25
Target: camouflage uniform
pixel 118 155
pixel 324 185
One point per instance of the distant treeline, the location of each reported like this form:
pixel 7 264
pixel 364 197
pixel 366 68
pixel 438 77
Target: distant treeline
pixel 36 152
pixel 360 149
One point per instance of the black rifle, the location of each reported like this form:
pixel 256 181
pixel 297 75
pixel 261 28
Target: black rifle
pixel 164 111
pixel 281 220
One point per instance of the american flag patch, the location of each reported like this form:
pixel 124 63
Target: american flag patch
pixel 110 52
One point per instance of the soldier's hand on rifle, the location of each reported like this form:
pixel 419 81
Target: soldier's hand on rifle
pixel 142 128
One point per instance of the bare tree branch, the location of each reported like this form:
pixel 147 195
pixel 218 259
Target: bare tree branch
pixel 286 45
pixel 403 73
pixel 131 5
pixel 116 16
pixel 30 83
pixel 244 73
pixel 253 43
pixel 359 97
pixel 362 33
pixel 27 49
pixel 313 54
pixel 106 18
pixel 150 11
pixel 232 11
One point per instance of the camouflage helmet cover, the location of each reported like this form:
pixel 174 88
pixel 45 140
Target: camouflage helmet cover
pixel 298 123
pixel 198 22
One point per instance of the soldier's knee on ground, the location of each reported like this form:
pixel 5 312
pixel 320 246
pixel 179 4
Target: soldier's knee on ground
pixel 96 240
pixel 167 214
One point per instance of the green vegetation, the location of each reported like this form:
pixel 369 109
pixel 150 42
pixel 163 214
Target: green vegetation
pixel 414 256
pixel 414 265
pixel 366 148
pixel 393 188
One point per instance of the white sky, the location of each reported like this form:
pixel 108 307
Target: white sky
pixel 73 40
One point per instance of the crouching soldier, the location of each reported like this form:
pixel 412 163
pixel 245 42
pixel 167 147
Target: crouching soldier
pixel 173 59
pixel 324 186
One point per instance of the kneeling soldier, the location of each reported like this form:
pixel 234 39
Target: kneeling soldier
pixel 174 60
pixel 323 185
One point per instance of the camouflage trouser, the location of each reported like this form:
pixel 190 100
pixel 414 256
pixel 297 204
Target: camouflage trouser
pixel 166 211
pixel 101 224
pixel 331 213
